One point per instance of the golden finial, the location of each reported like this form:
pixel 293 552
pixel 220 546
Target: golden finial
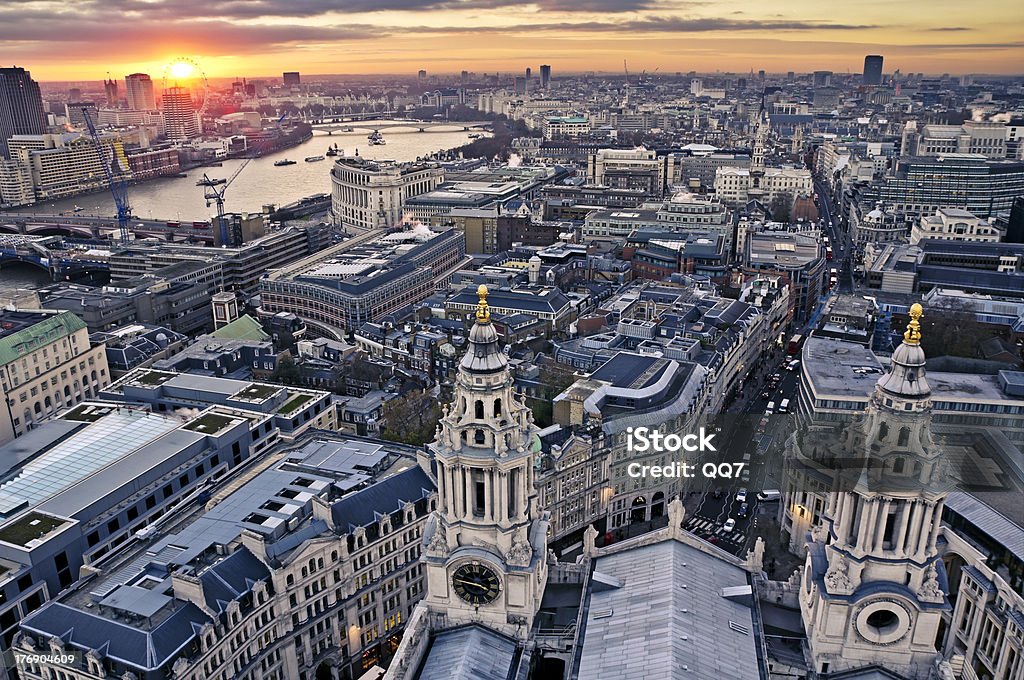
pixel 483 315
pixel 913 334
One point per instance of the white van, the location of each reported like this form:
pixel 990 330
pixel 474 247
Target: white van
pixel 769 495
pixel 771 408
pixel 784 406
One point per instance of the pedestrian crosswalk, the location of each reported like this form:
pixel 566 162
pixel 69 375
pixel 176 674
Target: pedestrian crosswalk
pixel 706 527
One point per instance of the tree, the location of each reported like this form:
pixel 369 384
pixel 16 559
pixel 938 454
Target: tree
pixel 411 418
pixel 286 372
pixel 555 378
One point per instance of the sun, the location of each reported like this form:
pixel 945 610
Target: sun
pixel 181 69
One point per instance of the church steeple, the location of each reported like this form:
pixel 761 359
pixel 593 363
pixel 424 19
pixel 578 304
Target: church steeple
pixel 485 545
pixel 876 565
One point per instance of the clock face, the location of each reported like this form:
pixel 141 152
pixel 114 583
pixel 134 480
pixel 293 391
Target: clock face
pixel 476 584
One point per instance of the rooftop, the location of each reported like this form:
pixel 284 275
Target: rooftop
pixel 22 332
pixel 701 628
pixel 69 460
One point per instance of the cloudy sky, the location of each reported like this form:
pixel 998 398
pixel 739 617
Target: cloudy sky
pixel 83 40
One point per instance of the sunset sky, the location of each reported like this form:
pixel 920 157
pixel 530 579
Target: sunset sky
pixel 84 40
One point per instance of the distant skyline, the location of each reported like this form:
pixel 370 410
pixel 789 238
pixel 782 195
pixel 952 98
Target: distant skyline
pixel 60 41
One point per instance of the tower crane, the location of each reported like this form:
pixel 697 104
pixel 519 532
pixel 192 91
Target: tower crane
pixel 116 182
pixel 214 190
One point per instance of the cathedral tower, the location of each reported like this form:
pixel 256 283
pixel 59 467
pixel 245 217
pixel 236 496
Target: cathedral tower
pixel 485 546
pixel 873 588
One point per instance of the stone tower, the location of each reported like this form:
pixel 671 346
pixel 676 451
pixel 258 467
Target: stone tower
pixel 873 583
pixel 485 551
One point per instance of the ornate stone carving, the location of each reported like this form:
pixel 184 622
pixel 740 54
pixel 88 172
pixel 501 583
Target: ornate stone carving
pixel 930 589
pixel 837 579
pixel 520 554
pixel 438 542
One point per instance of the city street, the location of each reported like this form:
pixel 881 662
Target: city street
pixel 708 514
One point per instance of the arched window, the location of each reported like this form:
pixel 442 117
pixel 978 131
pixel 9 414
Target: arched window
pixel 479 437
pixel 38 408
pixel 67 391
pixel 479 409
pixel 904 436
pixel 290 580
pixel 883 431
pixel 46 402
pixel 897 465
pixel 497 407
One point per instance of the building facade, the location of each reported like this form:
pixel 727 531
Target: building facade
pixel 47 364
pixel 368 194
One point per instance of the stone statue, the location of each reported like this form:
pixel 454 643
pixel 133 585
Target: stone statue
pixel 676 515
pixel 590 541
pixel 755 556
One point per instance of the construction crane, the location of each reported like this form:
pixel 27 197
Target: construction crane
pixel 115 181
pixel 213 190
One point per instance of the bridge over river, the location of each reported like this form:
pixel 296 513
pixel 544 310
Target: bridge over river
pixel 86 227
pixel 390 126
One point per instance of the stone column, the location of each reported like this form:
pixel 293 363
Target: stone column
pixel 881 520
pixel 915 528
pixel 499 496
pixel 936 526
pixel 848 507
pixel 488 499
pixel 901 534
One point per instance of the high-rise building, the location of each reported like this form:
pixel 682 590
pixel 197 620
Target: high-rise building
pixel 873 69
pixel 291 78
pixel 529 73
pixel 179 114
pixel 422 75
pixel 75 112
pixel 139 90
pixel 822 78
pixel 21 106
pixel 110 89
pixel 545 76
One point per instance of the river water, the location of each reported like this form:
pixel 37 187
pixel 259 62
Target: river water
pixel 178 198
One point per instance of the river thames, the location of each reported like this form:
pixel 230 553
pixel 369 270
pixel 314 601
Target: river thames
pixel 178 198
